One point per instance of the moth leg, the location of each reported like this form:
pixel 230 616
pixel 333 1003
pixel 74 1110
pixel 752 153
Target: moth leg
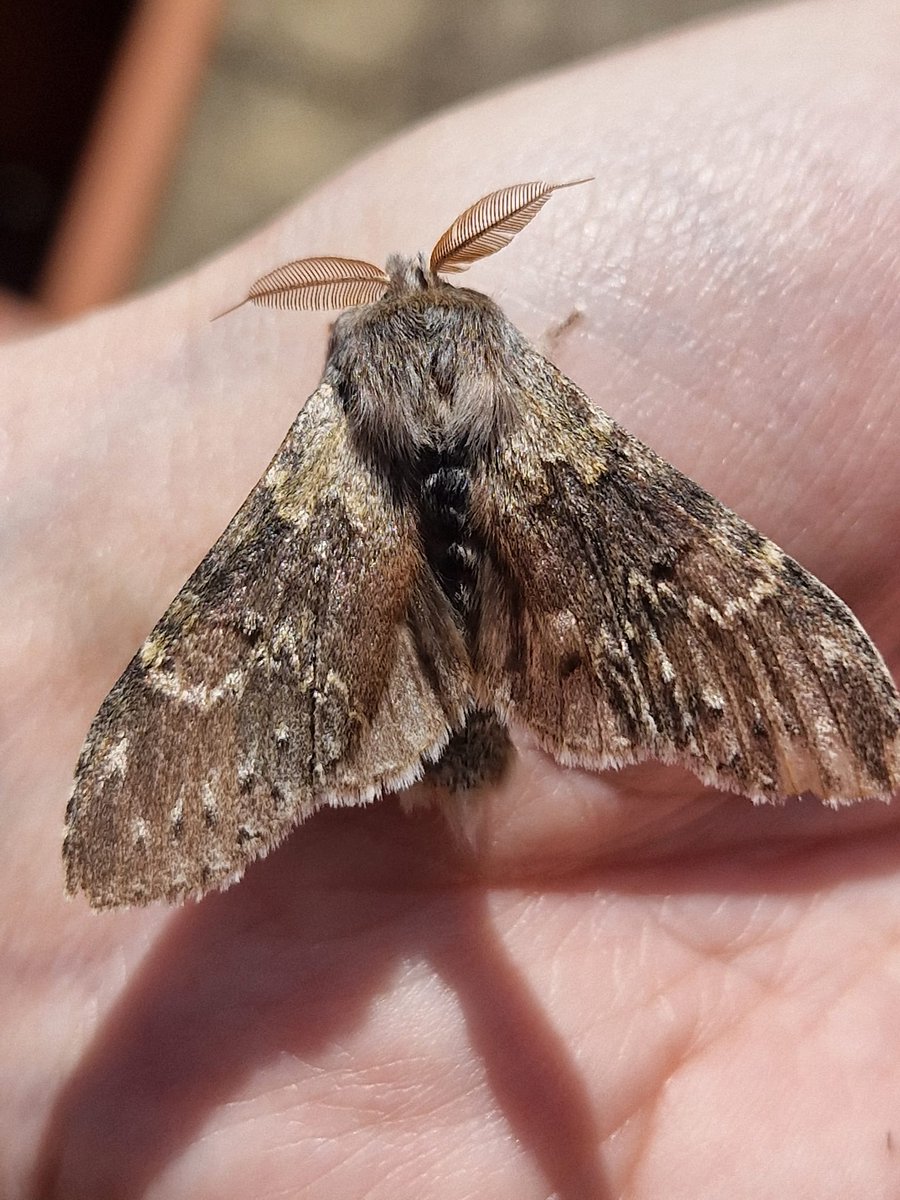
pixel 550 339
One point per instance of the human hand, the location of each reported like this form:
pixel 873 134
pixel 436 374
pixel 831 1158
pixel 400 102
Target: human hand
pixel 631 985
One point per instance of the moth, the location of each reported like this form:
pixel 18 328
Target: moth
pixel 452 540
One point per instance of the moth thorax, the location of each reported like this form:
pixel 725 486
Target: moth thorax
pixel 444 499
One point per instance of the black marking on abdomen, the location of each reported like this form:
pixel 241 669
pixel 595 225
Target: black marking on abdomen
pixel 447 538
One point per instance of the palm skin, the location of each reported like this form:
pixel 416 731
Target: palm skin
pixel 617 985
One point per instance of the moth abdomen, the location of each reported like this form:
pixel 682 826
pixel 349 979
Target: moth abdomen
pixel 447 536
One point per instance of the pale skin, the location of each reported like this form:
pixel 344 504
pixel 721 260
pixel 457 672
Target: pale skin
pixel 627 986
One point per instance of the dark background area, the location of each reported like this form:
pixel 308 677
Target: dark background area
pixel 54 61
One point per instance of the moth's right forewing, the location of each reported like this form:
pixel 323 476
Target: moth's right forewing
pixel 625 614
pixel 307 661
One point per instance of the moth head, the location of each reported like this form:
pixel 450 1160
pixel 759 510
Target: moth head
pixel 328 282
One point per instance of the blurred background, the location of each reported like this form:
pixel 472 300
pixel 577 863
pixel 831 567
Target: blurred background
pixel 139 136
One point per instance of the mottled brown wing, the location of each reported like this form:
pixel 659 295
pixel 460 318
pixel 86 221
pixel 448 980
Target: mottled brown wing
pixel 309 660
pixel 625 614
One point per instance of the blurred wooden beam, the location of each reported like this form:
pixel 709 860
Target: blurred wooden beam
pixel 109 215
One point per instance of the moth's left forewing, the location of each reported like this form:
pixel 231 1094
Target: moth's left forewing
pixel 625 614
